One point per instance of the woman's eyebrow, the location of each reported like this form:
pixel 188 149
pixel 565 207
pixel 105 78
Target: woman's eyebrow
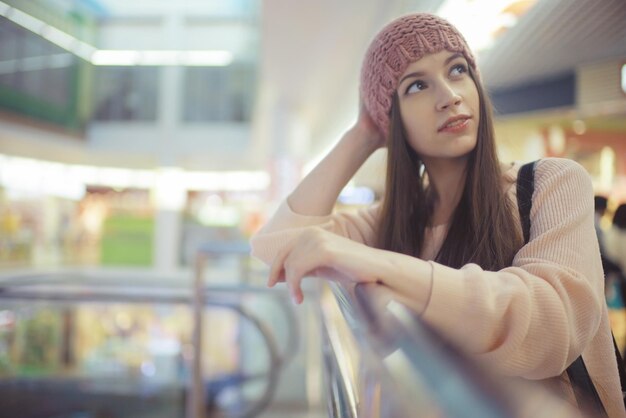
pixel 421 74
pixel 452 58
pixel 411 75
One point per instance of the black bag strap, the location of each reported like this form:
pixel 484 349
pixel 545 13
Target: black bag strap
pixel 620 368
pixel 525 190
pixel 584 389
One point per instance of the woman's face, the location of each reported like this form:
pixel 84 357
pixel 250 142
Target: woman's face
pixel 439 105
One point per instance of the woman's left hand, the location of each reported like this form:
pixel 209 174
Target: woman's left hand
pixel 317 248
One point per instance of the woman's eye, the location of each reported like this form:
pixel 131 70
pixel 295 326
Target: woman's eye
pixel 415 87
pixel 458 69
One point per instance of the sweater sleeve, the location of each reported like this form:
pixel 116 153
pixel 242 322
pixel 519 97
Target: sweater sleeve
pixel 534 318
pixel 286 225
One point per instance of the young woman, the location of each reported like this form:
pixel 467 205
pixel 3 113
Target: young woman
pixel 446 238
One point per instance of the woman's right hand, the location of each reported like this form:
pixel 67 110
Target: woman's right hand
pixel 367 128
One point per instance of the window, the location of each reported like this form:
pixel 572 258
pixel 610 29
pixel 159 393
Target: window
pixel 126 93
pixel 218 94
pixel 39 78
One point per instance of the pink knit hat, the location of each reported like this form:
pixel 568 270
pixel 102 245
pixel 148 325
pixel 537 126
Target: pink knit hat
pixel 397 45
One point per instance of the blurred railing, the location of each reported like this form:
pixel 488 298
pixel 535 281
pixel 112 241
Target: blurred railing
pixel 196 401
pixel 381 361
pixel 139 392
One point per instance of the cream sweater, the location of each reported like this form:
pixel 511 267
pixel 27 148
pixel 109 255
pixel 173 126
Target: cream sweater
pixel 529 320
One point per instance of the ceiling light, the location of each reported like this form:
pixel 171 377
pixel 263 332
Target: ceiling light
pixel 481 22
pixel 110 57
pixel 161 58
pixel 206 58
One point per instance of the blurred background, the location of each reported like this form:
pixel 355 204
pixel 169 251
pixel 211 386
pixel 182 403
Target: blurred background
pixel 136 135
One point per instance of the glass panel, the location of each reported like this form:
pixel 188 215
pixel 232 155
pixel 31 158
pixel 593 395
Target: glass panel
pixel 57 88
pixel 126 93
pixel 218 94
pixel 9 43
pixel 39 77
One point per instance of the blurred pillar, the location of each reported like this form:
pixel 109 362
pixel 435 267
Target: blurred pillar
pixel 170 193
pixel 170 197
pixel 290 145
pixel 167 240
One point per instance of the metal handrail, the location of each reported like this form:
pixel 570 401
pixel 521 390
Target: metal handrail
pixel 408 357
pixel 459 388
pixel 205 253
pixel 86 288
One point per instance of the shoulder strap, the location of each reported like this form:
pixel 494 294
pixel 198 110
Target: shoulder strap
pixel 584 389
pixel 525 190
pixel 620 369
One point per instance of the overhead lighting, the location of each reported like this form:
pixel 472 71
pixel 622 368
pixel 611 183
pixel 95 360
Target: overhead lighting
pixel 229 180
pixel 104 57
pixel 481 22
pixel 28 177
pixel 143 179
pixel 205 58
pixel 161 58
pixel 579 127
pixel 115 177
pixel 607 167
pixel 37 177
pixel 169 192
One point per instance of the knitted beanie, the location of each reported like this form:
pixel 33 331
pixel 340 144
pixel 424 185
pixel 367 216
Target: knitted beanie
pixel 397 45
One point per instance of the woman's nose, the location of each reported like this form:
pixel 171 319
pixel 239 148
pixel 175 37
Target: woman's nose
pixel 448 97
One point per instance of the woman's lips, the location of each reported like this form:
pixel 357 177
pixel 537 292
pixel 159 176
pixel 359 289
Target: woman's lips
pixel 456 126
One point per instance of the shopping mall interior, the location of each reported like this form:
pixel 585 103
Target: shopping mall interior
pixel 142 144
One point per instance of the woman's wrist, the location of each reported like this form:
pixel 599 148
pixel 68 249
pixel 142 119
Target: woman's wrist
pixel 409 276
pixel 369 139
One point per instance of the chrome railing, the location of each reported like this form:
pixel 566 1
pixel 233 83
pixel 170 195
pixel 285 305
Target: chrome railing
pixel 382 361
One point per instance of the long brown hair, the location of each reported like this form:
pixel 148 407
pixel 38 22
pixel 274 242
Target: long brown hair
pixel 482 228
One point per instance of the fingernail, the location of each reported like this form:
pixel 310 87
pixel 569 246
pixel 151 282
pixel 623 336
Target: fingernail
pixel 294 299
